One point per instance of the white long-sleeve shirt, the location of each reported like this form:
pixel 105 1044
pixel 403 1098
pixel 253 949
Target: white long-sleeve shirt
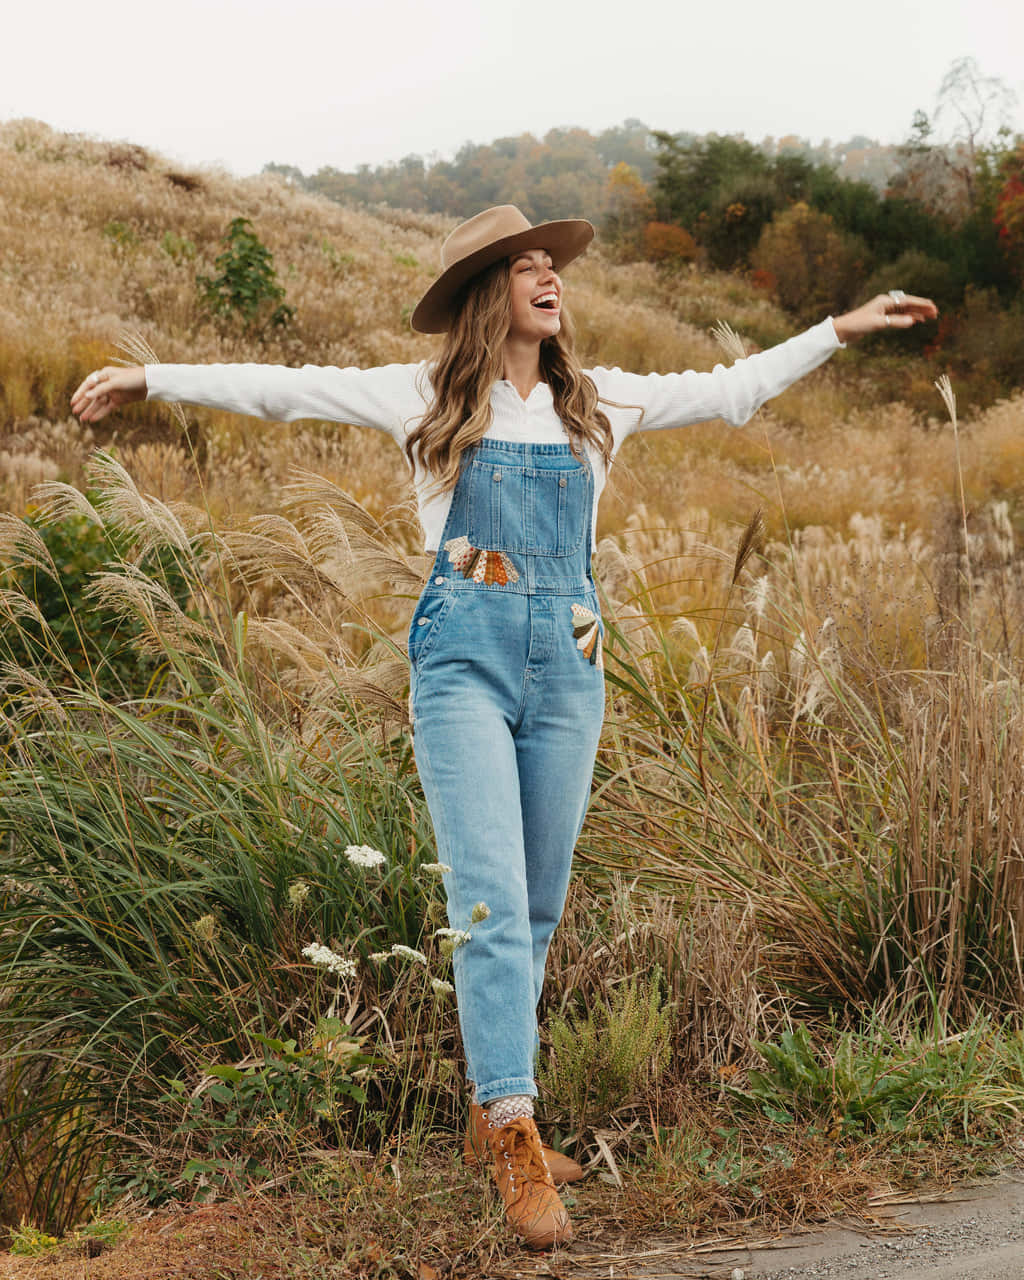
pixel 394 397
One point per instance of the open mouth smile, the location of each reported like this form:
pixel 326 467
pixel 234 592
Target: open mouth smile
pixel 546 301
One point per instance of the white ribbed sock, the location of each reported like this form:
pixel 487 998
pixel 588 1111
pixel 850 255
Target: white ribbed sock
pixel 503 1111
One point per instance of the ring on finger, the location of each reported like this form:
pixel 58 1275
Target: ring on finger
pixel 887 320
pixel 898 296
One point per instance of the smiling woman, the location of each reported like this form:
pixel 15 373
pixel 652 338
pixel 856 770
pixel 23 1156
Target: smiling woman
pixel 510 443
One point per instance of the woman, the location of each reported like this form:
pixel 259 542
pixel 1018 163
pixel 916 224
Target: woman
pixel 510 444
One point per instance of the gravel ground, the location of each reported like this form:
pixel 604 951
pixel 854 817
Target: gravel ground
pixel 972 1234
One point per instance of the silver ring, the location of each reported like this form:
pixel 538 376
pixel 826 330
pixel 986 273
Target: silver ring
pixel 93 378
pixel 887 320
pixel 898 296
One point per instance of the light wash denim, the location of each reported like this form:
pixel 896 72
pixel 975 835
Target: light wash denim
pixel 507 712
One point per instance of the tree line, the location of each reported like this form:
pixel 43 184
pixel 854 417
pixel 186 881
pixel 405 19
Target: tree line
pixel 818 228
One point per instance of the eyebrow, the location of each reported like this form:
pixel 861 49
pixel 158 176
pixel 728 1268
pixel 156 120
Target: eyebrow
pixel 527 254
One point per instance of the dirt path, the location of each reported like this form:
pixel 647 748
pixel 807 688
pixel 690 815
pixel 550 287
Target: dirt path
pixel 973 1233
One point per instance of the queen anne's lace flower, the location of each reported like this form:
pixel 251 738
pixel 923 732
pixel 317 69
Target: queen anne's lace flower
pixel 435 868
pixel 408 953
pixel 327 959
pixel 298 892
pixel 452 939
pixel 440 987
pixel 361 855
pixel 480 913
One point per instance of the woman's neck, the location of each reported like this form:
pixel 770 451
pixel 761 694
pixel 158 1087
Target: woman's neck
pixel 521 363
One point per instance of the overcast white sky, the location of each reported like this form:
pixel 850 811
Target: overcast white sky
pixel 312 82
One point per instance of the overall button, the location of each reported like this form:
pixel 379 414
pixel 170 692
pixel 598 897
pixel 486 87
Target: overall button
pixel 422 622
pixel 563 482
pixel 497 476
pixel 438 582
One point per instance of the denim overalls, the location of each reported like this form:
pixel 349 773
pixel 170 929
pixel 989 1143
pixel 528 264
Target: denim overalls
pixel 507 698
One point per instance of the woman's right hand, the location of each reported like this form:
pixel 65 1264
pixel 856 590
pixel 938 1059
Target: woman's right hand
pixel 108 389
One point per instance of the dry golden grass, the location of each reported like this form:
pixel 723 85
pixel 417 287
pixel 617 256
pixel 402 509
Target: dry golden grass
pixel 101 238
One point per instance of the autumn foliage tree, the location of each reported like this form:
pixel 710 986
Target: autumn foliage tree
pixel 630 208
pixel 1009 216
pixel 668 245
pixel 814 265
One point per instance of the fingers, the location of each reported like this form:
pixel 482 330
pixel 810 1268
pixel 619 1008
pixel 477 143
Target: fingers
pixel 901 306
pixel 92 399
pixel 903 310
pixel 104 390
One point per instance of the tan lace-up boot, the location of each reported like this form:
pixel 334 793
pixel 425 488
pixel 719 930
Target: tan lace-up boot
pixel 563 1168
pixel 532 1207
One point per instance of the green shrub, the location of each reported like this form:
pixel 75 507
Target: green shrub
pixel 605 1059
pixel 246 287
pixel 74 634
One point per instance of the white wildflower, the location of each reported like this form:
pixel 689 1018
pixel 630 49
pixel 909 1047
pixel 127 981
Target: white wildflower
pixel 440 987
pixel 452 939
pixel 361 855
pixel 435 868
pixel 408 953
pixel 298 892
pixel 327 959
pixel 480 912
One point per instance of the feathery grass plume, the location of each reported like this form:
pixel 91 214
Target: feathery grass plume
pixel 31 693
pixel 370 683
pixel 729 340
pixel 56 501
pixel 751 543
pixel 130 593
pixel 15 606
pixel 945 389
pixel 21 547
pixel 150 523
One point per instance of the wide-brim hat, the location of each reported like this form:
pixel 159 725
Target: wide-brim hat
pixel 490 236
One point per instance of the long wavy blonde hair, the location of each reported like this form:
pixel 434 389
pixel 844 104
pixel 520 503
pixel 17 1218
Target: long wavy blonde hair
pixel 469 364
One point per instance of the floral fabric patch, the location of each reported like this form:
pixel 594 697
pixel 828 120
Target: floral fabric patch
pixel 587 631
pixel 480 566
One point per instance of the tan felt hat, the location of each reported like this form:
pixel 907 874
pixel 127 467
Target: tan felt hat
pixel 494 234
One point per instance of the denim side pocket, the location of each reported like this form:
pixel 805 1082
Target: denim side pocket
pixel 427 621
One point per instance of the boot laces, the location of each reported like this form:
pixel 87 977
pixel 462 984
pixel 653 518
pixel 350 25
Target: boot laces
pixel 521 1149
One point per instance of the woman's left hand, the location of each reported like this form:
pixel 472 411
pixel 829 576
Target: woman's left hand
pixel 893 310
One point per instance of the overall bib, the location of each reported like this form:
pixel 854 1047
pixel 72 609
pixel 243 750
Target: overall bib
pixel 507 699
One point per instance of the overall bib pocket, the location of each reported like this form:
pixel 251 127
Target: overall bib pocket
pixel 544 515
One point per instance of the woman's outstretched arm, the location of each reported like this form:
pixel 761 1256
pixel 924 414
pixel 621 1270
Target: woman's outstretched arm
pixel 736 392
pixel 385 397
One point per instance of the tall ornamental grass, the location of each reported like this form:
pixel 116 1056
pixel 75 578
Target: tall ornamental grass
pixel 168 855
pixel 220 917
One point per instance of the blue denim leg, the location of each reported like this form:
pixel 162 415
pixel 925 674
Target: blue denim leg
pixel 505 751
pixel 555 748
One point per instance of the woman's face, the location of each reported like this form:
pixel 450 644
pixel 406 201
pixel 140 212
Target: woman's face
pixel 536 297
